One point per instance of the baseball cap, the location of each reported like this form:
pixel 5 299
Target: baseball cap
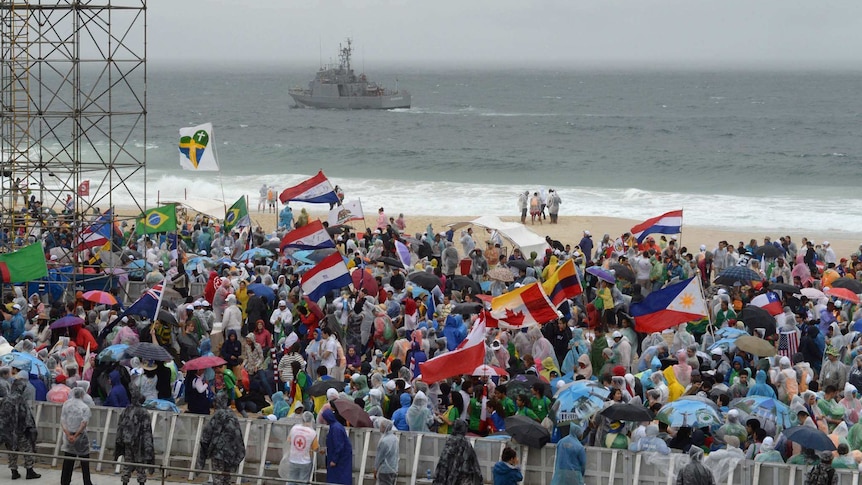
pixel 617 334
pixel 16 307
pixel 282 303
pixel 587 233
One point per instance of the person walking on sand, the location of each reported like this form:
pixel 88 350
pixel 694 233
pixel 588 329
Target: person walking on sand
pixel 554 202
pixel 535 208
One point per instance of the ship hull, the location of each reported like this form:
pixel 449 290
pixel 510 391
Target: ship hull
pixel 351 102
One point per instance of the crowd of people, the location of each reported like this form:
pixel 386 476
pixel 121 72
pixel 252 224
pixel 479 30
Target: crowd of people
pixel 288 357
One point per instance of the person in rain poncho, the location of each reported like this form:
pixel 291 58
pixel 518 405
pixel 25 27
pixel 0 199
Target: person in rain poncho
pixel 19 428
pixel 584 367
pixel 852 405
pixel 722 462
pixel 419 416
pixel 374 408
pixel 339 452
pixel 833 371
pixel 844 460
pixel 674 388
pixel 73 419
pixel 134 439
pixel 786 383
pixel 658 384
pixel 578 346
pixel 458 464
pixel 767 452
pixel 760 387
pixel 682 369
pixel 399 417
pixel 695 473
pixel 571 461
pixel 650 442
pixel 297 461
pixel 386 461
pixel 221 441
pixel 732 427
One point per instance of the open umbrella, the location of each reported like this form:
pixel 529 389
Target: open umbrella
pixel 623 272
pixel 338 229
pixel 756 317
pixel 114 353
pixel 769 251
pixel 602 274
pixel 737 274
pixel 461 283
pixel 688 412
pixel 812 293
pixel 390 262
pixel 729 332
pixel 851 284
pixel 424 279
pixel 256 253
pixel 765 407
pixel 364 279
pixel 37 367
pixel 355 415
pixel 843 294
pixel 419 291
pixel 755 345
pixel 98 296
pixel 521 384
pixel 527 432
pixel 205 362
pixel 206 261
pixel 627 412
pixel 489 371
pixel 811 438
pixel 501 274
pixel 167 317
pixel 469 308
pixel 580 400
pixel 149 351
pixel 319 388
pixel 790 289
pixel 262 291
pixel 518 263
pixel 66 322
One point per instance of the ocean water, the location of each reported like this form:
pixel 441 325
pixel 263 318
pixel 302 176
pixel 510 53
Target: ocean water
pixel 736 150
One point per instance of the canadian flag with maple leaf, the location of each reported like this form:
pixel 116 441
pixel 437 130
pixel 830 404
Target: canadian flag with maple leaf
pixel 522 307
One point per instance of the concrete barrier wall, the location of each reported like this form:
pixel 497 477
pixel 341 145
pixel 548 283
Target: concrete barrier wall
pixel 177 437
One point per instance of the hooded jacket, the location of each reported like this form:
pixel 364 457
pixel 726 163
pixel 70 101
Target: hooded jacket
pixel 338 451
pixel 399 417
pixel 118 397
pixel 221 438
pixel 760 387
pixel 134 433
pixel 386 460
pixel 571 461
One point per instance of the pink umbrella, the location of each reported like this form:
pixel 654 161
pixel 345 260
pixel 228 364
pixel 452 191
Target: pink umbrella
pixel 205 362
pixel 99 296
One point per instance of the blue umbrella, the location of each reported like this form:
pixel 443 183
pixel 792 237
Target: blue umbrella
pixel 857 325
pixel 725 343
pixel 688 412
pixel 765 407
pixel 580 400
pixel 206 260
pixel 113 353
pixel 37 367
pixel 418 290
pixel 601 274
pixel 810 438
pixel 224 260
pixel 303 268
pixel 256 253
pixel 262 291
pixel 302 256
pixel 730 332
pixel 138 268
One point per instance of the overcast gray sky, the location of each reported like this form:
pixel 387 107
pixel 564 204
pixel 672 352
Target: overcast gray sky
pixel 556 33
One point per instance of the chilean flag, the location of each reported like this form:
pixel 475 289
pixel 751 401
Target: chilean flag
pixel 769 301
pixel 667 223
pixel 310 236
pixel 327 275
pixel 674 304
pixel 316 190
pixel 463 360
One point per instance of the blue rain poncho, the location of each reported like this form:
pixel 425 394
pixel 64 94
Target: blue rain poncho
pixel 571 460
pixel 338 451
pixel 761 388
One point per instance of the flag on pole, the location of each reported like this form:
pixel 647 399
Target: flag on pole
pixel 523 307
pixel 463 360
pixel 316 190
pixel 327 275
pixel 25 264
pixel 197 148
pixel 97 234
pixel 788 343
pixel 667 223
pixel 310 236
pixel 563 283
pixel 84 189
pixel 674 304
pixel 159 219
pixel 770 302
pixel 237 215
pixel 349 211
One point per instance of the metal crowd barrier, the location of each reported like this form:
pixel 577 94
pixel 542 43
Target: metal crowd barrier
pixel 177 438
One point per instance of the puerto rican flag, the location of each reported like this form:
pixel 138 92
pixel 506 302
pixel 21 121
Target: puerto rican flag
pixel 674 304
pixel 667 223
pixel 463 360
pixel 769 301
pixel 310 236
pixel 329 274
pixel 97 234
pixel 316 190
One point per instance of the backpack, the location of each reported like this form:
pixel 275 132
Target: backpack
pixel 820 475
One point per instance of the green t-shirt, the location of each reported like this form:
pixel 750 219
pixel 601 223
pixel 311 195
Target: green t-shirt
pixel 540 406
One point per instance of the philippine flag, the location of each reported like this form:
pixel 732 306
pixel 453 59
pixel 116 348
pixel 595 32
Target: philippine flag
pixel 524 307
pixel 316 190
pixel 329 274
pixel 674 304
pixel 310 236
pixel 769 301
pixel 667 223
pixel 463 360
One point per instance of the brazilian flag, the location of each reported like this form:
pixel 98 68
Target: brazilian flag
pixel 237 215
pixel 24 265
pixel 159 219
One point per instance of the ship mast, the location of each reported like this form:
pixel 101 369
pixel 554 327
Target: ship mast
pixel 344 55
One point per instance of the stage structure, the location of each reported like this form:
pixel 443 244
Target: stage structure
pixel 73 131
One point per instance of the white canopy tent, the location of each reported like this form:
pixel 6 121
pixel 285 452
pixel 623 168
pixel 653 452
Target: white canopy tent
pixel 515 232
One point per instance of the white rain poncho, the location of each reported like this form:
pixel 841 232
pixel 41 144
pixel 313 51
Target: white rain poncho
pixel 419 416
pixel 75 413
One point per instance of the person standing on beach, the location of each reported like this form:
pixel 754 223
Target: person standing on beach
pixel 261 203
pixel 586 246
pixel 535 208
pixel 382 220
pixel 523 202
pixel 554 202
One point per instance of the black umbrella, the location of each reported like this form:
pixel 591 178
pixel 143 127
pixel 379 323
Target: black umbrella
pixel 810 438
pixel 339 229
pixel 623 272
pixel 756 317
pixel 851 284
pixel 424 279
pixel 526 431
pixel 769 251
pixel 521 384
pixel 460 283
pixel 518 263
pixel 272 245
pixel 468 308
pixel 167 317
pixel 319 388
pixel 390 262
pixel 355 415
pixel 627 412
pixel 737 274
pixel 149 351
pixel 789 289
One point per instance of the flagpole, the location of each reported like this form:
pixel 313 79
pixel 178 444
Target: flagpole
pixel 364 223
pixel 681 217
pixel 161 296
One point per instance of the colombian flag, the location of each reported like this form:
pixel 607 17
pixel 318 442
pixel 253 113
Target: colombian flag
pixel 563 284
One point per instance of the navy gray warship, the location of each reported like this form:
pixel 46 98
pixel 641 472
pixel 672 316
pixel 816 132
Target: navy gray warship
pixel 339 88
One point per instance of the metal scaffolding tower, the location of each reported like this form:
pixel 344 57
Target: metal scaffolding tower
pixel 73 81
